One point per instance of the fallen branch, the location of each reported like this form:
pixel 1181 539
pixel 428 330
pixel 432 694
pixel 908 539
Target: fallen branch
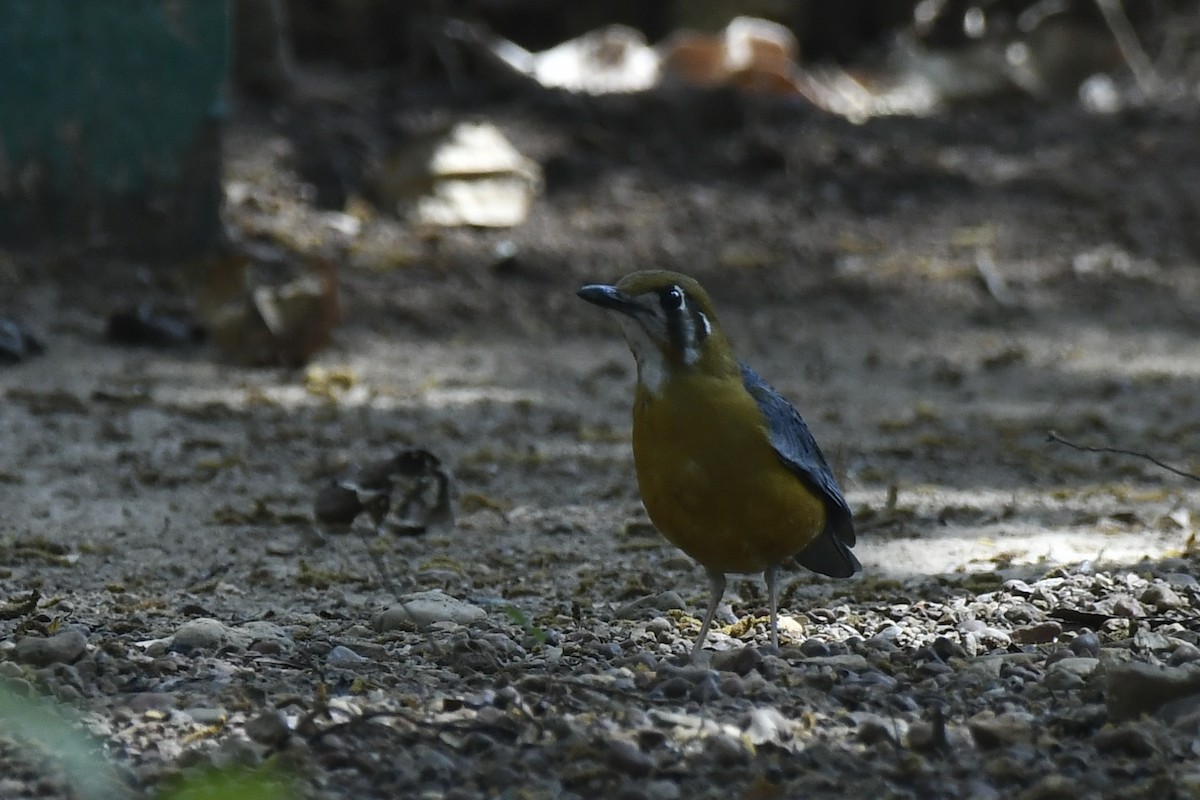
pixel 1054 437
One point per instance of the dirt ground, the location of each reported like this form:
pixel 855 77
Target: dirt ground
pixel 935 295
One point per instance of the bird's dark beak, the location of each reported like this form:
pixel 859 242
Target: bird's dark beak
pixel 607 296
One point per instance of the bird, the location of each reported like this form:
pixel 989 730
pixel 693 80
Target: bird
pixel 727 468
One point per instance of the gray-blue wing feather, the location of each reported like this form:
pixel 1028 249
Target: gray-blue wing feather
pixel 828 554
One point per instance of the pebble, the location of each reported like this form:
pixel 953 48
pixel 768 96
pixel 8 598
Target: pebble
pixel 1039 633
pixel 343 656
pixel 269 728
pixel 1162 597
pixel 725 751
pixel 767 725
pixel 264 632
pixel 204 633
pixel 1135 688
pixel 814 648
pixel 946 648
pixel 1128 738
pixel 1085 644
pixel 1128 607
pixel 151 701
pixel 740 661
pixel 207 716
pixel 991 730
pixel 663 790
pixel 1185 653
pixel 628 758
pixel 60 648
pixel 852 662
pixel 426 608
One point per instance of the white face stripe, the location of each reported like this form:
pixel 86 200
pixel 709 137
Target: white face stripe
pixel 691 341
pixel 651 367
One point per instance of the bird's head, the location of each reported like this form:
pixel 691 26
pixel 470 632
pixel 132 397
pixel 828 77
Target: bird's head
pixel 669 323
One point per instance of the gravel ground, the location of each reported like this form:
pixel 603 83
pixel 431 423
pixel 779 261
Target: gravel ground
pixel 1026 625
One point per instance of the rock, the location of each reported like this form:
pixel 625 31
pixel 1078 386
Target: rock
pixel 1128 607
pixel 1185 653
pixel 1085 644
pixel 1130 738
pixel 725 751
pixel 208 716
pixel 663 790
pixel 872 728
pixel 767 725
pixel 627 757
pixel 204 633
pixel 61 648
pixel 269 728
pixel 851 662
pixel 1135 688
pixel 342 656
pixel 1162 597
pixel 1040 633
pixel 814 648
pixel 1018 587
pixel 991 730
pixel 740 661
pixel 261 631
pixel 1083 667
pixel 651 606
pixel 426 608
pixel 946 648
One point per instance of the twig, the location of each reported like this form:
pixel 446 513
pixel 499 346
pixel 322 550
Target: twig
pixel 1131 50
pixel 993 281
pixel 1054 437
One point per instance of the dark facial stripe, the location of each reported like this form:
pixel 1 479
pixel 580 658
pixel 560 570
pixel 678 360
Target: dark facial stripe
pixel 687 328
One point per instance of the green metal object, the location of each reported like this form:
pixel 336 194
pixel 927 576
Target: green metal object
pixel 109 121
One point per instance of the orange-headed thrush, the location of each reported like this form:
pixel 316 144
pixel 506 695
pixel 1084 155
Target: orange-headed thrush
pixel 727 468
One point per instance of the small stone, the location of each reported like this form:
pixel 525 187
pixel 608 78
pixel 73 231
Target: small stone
pixel 725 751
pixel 1076 665
pixel 61 648
pixel 1162 597
pixel 1128 607
pixel 202 633
pixel 872 728
pixel 1129 738
pixel 814 648
pixel 1040 633
pixel 1185 653
pixel 1135 688
pixel 269 728
pixel 991 730
pixel 741 661
pixel 151 701
pixel 663 790
pixel 767 725
pixel 1181 580
pixel 946 648
pixel 1085 644
pixel 651 606
pixel 851 662
pixel 341 656
pixel 208 716
pixel 628 758
pixel 1018 587
pixel 426 608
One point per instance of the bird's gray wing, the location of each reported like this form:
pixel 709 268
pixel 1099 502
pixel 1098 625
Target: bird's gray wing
pixel 828 554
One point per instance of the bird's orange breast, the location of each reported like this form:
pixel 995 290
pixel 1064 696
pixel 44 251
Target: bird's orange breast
pixel 710 480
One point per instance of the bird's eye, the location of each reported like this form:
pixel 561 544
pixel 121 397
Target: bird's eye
pixel 672 299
